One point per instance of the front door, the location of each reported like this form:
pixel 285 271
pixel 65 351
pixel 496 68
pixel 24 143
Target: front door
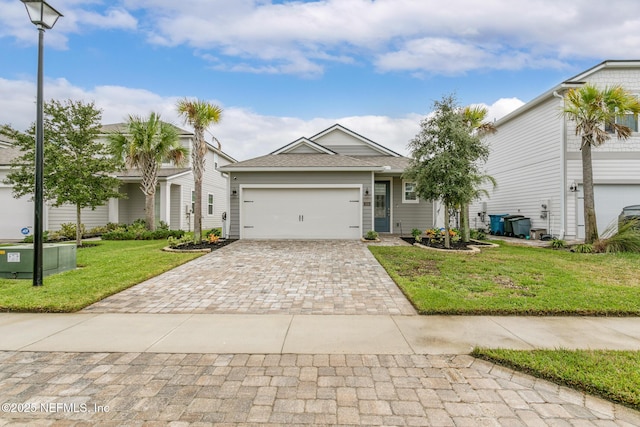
pixel 382 207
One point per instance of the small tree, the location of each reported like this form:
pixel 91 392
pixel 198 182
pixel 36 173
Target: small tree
pixel 78 168
pixel 594 111
pixel 146 145
pixel 444 158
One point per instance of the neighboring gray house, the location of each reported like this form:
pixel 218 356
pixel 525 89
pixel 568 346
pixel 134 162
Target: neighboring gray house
pixel 174 196
pixel 334 185
pixel 535 158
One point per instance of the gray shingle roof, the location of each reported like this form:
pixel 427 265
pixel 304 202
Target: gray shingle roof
pixel 8 154
pixel 278 161
pixel 162 173
pixel 122 127
pixel 301 160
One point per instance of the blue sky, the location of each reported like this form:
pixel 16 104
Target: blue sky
pixel 283 69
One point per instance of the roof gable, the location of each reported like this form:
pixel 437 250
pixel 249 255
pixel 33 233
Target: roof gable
pixel 573 82
pixel 303 146
pixel 345 141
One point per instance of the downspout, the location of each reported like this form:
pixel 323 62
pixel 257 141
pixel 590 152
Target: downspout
pixel 563 167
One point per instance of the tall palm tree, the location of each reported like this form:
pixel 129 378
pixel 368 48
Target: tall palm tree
pixel 595 111
pixel 145 145
pixel 474 117
pixel 200 115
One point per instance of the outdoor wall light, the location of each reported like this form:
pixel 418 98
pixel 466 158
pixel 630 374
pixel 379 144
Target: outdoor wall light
pixel 573 187
pixel 44 17
pixel 366 191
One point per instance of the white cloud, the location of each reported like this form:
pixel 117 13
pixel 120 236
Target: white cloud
pixel 77 17
pixel 304 37
pixel 242 132
pixel 396 35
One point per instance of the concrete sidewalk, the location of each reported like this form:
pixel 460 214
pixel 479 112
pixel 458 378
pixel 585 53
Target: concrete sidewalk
pixel 308 334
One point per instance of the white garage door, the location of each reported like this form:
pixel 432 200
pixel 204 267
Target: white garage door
pixel 609 199
pixel 15 214
pixel 300 213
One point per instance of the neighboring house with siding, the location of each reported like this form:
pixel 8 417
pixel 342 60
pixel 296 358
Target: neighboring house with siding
pixel 336 184
pixel 15 214
pixel 535 158
pixel 173 201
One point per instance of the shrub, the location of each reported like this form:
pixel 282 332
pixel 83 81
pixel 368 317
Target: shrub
pixel 119 234
pixel 177 241
pixel 99 230
pixel 477 234
pixel 45 237
pixel 558 243
pixel 583 248
pixel 68 230
pixel 371 235
pixel 138 231
pixel 214 231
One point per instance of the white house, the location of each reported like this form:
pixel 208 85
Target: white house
pixel 174 196
pixel 535 158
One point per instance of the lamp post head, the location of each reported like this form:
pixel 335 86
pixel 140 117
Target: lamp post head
pixel 41 13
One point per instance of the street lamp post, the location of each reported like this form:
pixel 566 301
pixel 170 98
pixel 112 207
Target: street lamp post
pixel 44 17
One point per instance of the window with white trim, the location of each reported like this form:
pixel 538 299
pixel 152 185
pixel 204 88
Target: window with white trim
pixel 210 204
pixel 409 194
pixel 628 120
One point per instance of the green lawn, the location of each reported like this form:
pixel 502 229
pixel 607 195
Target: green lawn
pixel 613 375
pixel 515 280
pixel 104 270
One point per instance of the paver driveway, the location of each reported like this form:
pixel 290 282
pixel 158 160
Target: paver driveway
pixel 256 277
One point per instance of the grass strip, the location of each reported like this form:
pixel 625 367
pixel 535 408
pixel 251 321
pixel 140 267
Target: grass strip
pixel 104 269
pixel 613 375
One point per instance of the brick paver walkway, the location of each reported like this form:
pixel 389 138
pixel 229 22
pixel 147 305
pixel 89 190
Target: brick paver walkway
pixel 136 389
pixel 257 277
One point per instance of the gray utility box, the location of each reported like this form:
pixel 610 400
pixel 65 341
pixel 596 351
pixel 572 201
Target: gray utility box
pixel 16 262
pixel 537 233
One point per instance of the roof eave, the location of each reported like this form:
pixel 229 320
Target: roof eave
pixel 304 169
pixel 537 101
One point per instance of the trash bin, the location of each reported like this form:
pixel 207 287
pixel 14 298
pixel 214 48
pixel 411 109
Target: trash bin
pixel 537 233
pixel 629 213
pixel 497 224
pixel 521 227
pixel 508 229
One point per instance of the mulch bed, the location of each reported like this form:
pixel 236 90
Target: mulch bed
pixel 458 246
pixel 204 245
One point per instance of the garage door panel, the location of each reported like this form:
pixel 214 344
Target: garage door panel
pixel 609 200
pixel 301 213
pixel 15 215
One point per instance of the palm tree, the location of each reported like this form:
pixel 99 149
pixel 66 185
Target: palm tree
pixel 200 115
pixel 146 145
pixel 595 111
pixel 474 117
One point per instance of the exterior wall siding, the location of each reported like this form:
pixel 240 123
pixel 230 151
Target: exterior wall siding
pixel 525 160
pixel 67 213
pixel 328 178
pixel 407 216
